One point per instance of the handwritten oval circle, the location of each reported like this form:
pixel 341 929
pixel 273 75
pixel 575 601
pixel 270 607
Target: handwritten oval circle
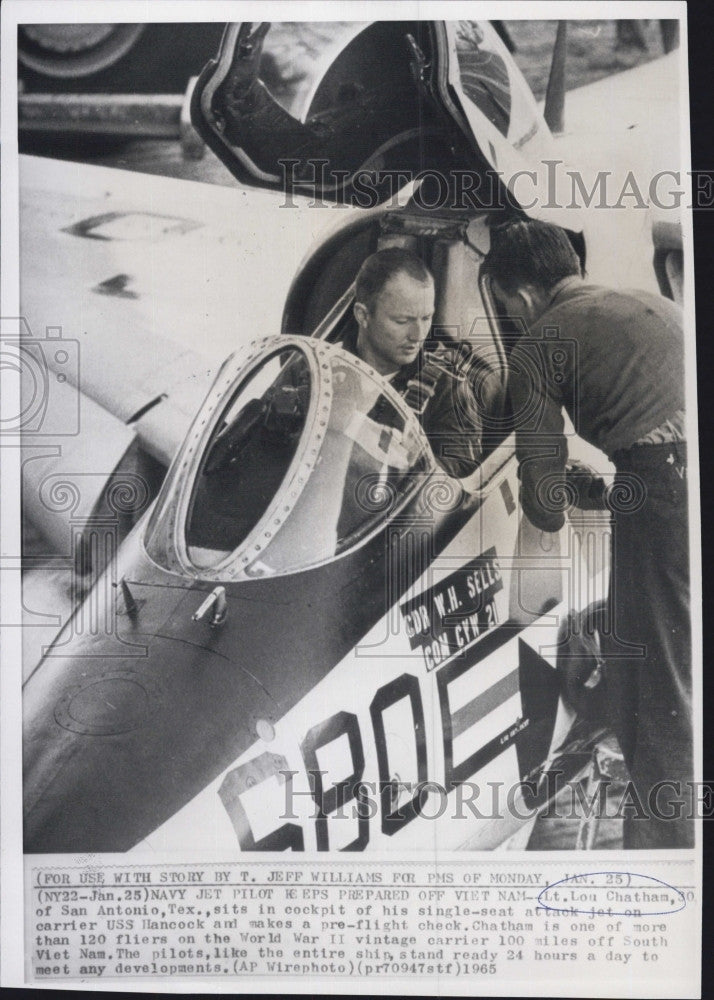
pixel 591 900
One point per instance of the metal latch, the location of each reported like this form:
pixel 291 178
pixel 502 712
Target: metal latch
pixel 216 600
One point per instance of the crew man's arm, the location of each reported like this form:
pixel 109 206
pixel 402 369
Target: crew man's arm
pixel 541 446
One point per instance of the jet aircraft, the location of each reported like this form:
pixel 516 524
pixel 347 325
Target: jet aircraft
pixel 305 635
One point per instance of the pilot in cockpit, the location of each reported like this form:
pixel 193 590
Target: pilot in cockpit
pixel 393 308
pixel 324 457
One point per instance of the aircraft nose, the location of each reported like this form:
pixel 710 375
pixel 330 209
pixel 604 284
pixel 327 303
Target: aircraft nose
pixel 111 753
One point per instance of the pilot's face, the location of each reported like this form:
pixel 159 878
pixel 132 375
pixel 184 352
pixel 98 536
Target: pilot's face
pixel 392 331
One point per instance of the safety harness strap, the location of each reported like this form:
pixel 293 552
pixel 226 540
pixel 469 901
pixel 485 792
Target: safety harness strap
pixel 439 360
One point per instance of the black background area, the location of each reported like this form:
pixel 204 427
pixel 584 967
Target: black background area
pixel 701 96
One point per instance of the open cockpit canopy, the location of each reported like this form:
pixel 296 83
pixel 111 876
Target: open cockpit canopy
pixel 310 105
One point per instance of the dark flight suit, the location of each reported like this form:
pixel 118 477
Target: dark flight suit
pixel 444 403
pixel 615 361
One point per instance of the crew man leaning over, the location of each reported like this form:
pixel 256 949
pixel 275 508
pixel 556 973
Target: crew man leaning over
pixel 393 309
pixel 615 361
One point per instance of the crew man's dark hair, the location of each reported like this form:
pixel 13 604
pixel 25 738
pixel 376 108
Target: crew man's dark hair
pixel 530 252
pixel 378 268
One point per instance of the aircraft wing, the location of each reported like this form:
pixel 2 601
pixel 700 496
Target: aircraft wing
pixel 133 289
pixel 156 279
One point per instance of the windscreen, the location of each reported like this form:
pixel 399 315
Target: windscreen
pixel 309 456
pixel 370 459
pixel 248 457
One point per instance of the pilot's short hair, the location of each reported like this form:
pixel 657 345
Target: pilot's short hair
pixel 378 268
pixel 530 252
